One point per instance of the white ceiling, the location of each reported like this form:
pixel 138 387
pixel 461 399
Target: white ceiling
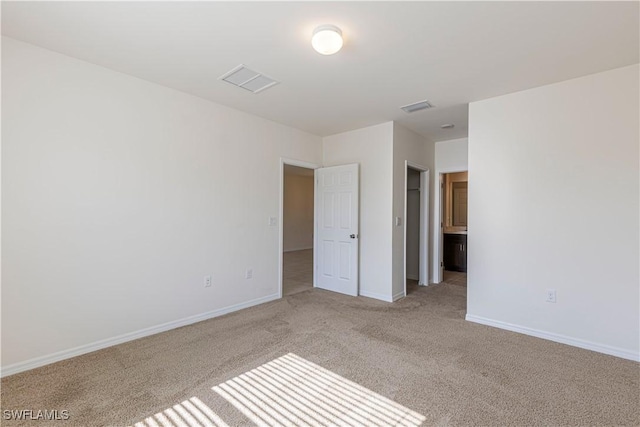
pixel 395 53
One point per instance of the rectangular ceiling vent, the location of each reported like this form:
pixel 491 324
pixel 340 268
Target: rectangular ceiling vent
pixel 248 79
pixel 417 106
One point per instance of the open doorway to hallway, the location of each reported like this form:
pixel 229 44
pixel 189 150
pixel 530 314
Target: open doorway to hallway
pixel 297 229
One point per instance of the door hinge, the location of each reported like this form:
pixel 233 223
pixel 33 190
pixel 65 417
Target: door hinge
pixel 441 264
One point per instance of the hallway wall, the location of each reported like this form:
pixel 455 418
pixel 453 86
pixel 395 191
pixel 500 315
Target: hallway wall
pixel 297 212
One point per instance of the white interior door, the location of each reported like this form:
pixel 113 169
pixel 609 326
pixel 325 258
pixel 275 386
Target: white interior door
pixel 336 244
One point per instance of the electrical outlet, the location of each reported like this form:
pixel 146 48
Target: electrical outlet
pixel 551 295
pixel 273 221
pixel 248 274
pixel 207 281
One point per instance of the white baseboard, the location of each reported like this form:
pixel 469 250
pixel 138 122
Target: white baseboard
pixel 298 249
pixel 563 339
pixel 399 295
pixel 413 276
pixel 99 345
pixel 381 297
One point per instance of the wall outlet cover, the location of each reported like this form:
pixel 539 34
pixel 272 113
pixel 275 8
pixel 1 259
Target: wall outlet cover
pixel 551 295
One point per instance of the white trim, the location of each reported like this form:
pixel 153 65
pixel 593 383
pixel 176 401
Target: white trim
pixel 563 339
pixel 302 164
pixel 298 249
pixel 425 200
pixel 99 345
pixel 381 297
pixel 413 277
pixel 399 295
pixel 315 229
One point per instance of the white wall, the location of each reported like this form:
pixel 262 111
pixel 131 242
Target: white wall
pixel 553 204
pixel 451 156
pixel 407 145
pixel 297 212
pixel 118 197
pixel 372 148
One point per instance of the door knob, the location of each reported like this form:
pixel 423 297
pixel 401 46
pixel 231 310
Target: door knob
pixel 353 236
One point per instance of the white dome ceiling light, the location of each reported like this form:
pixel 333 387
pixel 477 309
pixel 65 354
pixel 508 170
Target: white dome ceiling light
pixel 327 39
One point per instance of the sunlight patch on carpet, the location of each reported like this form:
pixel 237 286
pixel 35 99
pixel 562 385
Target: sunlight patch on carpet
pixel 291 391
pixel 190 413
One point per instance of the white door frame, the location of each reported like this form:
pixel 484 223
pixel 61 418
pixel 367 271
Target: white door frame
pixel 302 164
pixel 424 224
pixel 438 224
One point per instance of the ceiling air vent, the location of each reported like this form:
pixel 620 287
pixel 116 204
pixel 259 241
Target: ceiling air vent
pixel 248 79
pixel 417 106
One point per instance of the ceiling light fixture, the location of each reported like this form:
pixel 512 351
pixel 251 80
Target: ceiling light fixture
pixel 327 39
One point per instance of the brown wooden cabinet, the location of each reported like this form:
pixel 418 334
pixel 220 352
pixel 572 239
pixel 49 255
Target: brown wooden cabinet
pixel 455 252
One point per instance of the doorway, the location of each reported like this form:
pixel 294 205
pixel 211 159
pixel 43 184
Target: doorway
pixel 416 230
pixel 297 229
pixel 453 236
pixel 331 208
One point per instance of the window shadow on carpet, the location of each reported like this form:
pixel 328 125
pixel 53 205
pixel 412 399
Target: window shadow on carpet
pixel 291 391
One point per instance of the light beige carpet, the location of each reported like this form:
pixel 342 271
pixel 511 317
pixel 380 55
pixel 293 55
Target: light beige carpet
pixel 297 271
pixel 417 357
